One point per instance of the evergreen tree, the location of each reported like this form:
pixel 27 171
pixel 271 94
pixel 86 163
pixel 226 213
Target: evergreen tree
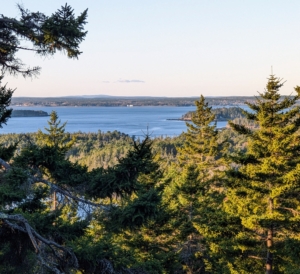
pixel 189 190
pixel 201 145
pixel 5 99
pixel 61 31
pixel 263 186
pixel 130 190
pixel 196 188
pixel 56 136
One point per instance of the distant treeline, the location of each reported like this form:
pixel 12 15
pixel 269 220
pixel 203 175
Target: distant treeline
pixel 124 101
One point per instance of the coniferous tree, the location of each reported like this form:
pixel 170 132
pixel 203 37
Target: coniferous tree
pixel 5 99
pixel 131 192
pixel 196 187
pixel 56 135
pixel 57 138
pixel 263 187
pixel 201 145
pixel 61 31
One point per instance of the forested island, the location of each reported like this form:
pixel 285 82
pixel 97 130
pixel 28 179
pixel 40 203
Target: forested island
pixel 221 114
pixel 28 113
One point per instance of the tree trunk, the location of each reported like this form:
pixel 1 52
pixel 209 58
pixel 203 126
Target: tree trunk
pixel 54 201
pixel 269 263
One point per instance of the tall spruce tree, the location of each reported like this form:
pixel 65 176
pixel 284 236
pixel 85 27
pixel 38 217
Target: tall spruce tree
pixel 56 135
pixel 200 146
pixel 57 138
pixel 197 189
pixel 263 186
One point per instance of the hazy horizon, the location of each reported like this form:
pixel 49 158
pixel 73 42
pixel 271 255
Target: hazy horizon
pixel 128 96
pixel 169 49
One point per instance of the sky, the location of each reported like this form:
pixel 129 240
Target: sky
pixel 173 48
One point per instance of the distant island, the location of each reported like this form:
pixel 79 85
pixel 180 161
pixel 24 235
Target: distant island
pixel 221 114
pixel 28 113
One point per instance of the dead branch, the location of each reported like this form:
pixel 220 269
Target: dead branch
pixel 18 222
pixel 64 192
pixel 68 194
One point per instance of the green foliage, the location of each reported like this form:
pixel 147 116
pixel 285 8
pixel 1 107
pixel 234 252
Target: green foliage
pixel 32 237
pixel 128 195
pixel 262 189
pixel 7 152
pixel 5 100
pixel 208 201
pixel 56 136
pixel 14 246
pixel 59 32
pixel 200 145
pixel 194 189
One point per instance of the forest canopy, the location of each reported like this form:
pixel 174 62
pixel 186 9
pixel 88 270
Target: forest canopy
pixel 208 201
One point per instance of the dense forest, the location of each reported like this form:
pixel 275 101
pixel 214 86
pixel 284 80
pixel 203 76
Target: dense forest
pixel 207 201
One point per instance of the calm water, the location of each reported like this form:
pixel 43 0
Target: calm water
pixel 132 121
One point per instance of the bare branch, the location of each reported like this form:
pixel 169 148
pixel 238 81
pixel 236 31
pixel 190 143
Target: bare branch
pixel 293 211
pixel 20 223
pixel 68 194
pixel 58 189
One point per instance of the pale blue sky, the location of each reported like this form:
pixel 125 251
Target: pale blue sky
pixel 170 48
